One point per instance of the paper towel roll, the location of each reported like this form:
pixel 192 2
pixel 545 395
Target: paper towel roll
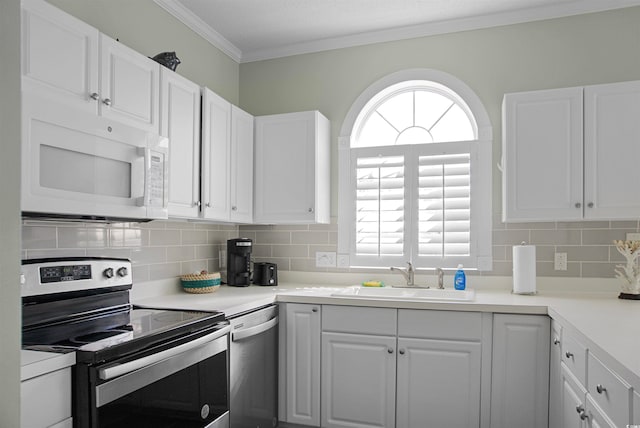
pixel 524 269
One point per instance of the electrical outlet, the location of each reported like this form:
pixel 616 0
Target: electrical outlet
pixel 222 255
pixel 633 236
pixel 325 259
pixel 560 262
pixel 343 261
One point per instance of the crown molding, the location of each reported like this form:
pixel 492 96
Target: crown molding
pixel 196 24
pixel 558 10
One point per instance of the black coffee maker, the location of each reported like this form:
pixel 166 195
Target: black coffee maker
pixel 239 261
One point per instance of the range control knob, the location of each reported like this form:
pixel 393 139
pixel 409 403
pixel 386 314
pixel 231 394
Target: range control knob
pixel 122 272
pixel 108 272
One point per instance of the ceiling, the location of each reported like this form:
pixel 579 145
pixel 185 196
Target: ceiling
pixel 253 30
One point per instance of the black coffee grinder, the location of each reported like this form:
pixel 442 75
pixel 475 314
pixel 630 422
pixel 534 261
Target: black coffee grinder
pixel 239 262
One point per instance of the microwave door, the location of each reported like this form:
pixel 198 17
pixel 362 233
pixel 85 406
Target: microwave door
pixel 82 165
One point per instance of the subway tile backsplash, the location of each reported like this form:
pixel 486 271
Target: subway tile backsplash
pixel 166 249
pixel 157 249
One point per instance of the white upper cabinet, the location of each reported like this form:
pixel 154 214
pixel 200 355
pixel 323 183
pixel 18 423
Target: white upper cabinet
pixel 542 152
pixel 241 166
pixel 129 85
pixel 571 154
pixel 180 122
pixel 72 63
pixel 227 160
pixel 292 181
pixel 59 54
pixel 612 150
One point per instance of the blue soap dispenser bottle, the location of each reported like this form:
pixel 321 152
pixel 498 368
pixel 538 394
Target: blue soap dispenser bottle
pixel 459 279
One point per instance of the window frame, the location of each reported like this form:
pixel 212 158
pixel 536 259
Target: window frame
pixel 481 178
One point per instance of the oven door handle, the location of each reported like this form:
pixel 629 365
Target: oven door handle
pixel 254 331
pixel 121 369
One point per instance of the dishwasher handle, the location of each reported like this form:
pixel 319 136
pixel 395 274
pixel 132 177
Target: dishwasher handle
pixel 254 331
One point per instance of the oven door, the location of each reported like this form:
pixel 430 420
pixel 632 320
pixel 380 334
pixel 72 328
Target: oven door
pixel 183 386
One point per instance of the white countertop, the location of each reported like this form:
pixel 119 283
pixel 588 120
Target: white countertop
pixel 610 326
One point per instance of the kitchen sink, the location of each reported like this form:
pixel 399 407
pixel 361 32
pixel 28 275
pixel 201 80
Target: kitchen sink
pixel 407 293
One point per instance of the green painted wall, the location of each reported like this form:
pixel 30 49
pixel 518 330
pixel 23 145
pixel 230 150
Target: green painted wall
pixel 579 50
pixel 10 213
pixel 146 27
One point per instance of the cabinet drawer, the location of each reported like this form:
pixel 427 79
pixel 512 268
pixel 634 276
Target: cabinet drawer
pixel 359 320
pixel 610 392
pixel 423 324
pixel 46 400
pixel 574 355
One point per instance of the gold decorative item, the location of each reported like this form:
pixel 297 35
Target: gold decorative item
pixel 629 273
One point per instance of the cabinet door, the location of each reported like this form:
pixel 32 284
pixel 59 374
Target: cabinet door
pixel 299 365
pixel 542 150
pixel 129 85
pixel 358 380
pixel 59 55
pixel 216 138
pixel 180 122
pixel 292 168
pixel 572 400
pixel 241 166
pixel 520 371
pixel 596 417
pixel 438 383
pixel 612 151
pixel 555 377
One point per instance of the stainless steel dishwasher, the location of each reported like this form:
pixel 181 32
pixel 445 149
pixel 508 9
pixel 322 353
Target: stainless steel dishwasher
pixel 253 369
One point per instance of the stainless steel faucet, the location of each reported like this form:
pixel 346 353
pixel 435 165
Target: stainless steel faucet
pixel 440 273
pixel 408 274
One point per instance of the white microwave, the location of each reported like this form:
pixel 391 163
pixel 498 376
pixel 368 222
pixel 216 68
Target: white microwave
pixel 79 165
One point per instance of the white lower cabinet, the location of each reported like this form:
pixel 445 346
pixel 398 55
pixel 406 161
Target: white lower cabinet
pixel 636 408
pixel 46 400
pixel 358 380
pixel 362 367
pixel 572 400
pixel 520 371
pixel 438 383
pixel 299 365
pixel 591 394
pixel 555 376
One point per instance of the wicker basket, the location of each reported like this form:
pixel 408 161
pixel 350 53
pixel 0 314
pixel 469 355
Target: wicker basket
pixel 201 283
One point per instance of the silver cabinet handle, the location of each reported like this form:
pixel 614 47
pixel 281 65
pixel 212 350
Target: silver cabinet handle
pixel 208 204
pixel 310 210
pixel 401 351
pixel 94 95
pixel 578 205
pixel 600 388
pixel 590 204
pixel 106 101
pixel 556 341
pixel 390 350
pixel 568 354
pixel 234 208
pixel 314 310
pixel 580 408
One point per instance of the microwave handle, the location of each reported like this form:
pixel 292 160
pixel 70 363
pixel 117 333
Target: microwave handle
pixel 122 369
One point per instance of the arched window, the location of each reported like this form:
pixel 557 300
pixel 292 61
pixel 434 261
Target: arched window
pixel 415 175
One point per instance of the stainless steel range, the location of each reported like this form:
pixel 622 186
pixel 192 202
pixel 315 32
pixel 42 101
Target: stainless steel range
pixel 135 367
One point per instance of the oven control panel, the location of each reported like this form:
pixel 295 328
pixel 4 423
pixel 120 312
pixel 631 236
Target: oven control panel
pixel 47 276
pixel 64 273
